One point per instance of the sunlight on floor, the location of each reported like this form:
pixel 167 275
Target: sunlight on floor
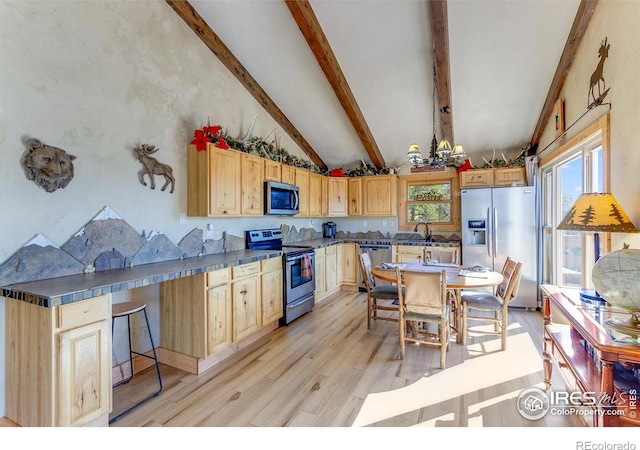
pixel 490 367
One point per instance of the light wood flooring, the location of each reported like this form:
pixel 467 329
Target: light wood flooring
pixel 324 369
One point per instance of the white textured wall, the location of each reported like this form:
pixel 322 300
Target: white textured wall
pixel 97 79
pixel 617 21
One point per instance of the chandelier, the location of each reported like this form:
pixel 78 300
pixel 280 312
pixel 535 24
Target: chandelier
pixel 441 154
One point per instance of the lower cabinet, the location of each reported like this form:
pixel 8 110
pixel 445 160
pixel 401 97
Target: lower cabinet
pixel 349 264
pixel 408 253
pixel 209 314
pixel 58 363
pixel 272 286
pixel 247 308
pixel 319 274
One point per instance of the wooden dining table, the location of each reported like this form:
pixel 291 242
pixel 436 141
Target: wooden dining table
pixel 455 281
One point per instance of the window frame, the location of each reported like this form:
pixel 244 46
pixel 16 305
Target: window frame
pixel 582 145
pixel 430 179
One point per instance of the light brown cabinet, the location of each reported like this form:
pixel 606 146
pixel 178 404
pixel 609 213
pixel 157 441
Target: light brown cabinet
pixel 58 363
pixel 355 197
pixel 288 174
pixel 338 193
pixel 325 197
pixel 319 273
pixel 349 263
pixel 379 195
pixel 408 253
pixel 315 195
pixel 272 300
pixel 219 326
pixel 251 182
pixel 272 170
pixel 504 176
pixel 330 265
pixel 302 181
pixel 246 299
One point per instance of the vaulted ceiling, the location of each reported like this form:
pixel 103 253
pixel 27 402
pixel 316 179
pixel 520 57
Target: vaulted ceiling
pixel 351 80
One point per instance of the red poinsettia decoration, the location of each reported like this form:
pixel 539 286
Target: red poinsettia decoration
pixel 209 134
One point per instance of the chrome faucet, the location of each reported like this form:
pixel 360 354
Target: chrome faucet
pixel 427 235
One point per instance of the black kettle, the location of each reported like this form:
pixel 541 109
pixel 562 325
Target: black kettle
pixel 329 230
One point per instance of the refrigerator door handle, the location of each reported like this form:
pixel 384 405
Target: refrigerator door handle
pixel 489 233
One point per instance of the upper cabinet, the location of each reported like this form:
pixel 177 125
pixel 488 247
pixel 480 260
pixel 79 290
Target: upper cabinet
pixel 288 174
pixel 355 196
pixel 503 176
pixel 315 194
pixel 302 181
pixel 379 195
pixel 251 181
pixel 338 193
pixel 272 170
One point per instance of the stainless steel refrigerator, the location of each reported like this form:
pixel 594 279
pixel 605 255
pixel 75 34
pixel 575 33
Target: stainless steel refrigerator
pixel 501 222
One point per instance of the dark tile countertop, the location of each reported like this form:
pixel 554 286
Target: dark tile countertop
pixel 62 290
pixel 319 243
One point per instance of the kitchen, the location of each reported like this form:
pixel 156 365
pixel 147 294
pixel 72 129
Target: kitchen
pixel 110 179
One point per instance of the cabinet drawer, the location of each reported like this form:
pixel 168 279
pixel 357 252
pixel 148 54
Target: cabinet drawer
pixel 84 312
pixel 271 264
pixel 218 277
pixel 471 178
pixel 245 270
pixel 320 252
pixel 330 250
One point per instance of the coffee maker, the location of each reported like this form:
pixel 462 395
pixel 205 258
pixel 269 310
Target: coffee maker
pixel 329 230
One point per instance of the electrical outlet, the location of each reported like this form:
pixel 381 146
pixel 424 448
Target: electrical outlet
pixel 209 230
pixel 312 223
pixel 384 223
pixel 364 223
pixel 183 218
pixel 391 223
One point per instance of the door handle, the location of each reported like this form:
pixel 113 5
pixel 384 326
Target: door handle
pixel 494 230
pixel 488 232
pixel 295 194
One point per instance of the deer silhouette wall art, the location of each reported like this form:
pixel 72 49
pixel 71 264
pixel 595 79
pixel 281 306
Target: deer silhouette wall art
pixel 597 77
pixel 152 167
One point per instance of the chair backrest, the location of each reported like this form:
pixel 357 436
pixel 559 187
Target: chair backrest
pixel 443 256
pixel 424 292
pixel 365 269
pixel 508 289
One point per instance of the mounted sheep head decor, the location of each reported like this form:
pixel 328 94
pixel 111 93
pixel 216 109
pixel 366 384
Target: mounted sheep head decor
pixel 49 167
pixel 152 167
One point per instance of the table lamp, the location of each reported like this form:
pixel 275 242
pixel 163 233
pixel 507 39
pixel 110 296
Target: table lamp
pixel 596 212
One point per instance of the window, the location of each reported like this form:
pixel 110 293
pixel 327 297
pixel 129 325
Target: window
pixel 578 166
pixel 431 198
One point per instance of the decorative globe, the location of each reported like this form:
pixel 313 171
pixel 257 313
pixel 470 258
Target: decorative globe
pixel 616 277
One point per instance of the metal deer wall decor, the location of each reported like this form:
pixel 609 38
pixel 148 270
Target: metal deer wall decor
pixel 49 167
pixel 152 167
pixel 597 77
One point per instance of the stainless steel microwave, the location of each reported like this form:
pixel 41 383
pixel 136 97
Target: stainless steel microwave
pixel 281 199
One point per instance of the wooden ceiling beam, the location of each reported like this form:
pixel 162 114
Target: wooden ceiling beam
pixel 440 39
pixel 215 44
pixel 578 29
pixel 307 21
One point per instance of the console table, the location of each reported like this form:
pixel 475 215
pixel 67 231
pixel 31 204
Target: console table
pixel 585 354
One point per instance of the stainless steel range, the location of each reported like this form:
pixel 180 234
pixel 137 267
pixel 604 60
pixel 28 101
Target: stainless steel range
pixel 298 268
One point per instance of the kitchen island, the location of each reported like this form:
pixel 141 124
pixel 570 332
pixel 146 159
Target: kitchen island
pixel 58 335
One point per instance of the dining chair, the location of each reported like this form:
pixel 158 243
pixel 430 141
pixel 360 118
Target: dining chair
pixel 379 298
pixel 492 307
pixel 443 256
pixel 424 303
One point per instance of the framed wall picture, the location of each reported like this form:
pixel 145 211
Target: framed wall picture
pixel 558 117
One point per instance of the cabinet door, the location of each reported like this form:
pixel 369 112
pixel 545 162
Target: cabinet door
pixel 379 193
pixel 219 319
pixel 225 174
pixel 325 197
pixel 338 188
pixel 252 185
pixel 246 307
pixel 288 174
pixel 272 171
pixel 271 296
pixel 330 268
pixel 409 253
pixel 84 374
pixel 511 176
pixel 315 195
pixel 320 275
pixel 355 197
pixel 302 181
pixel 476 178
pixel 349 264
pixel 340 264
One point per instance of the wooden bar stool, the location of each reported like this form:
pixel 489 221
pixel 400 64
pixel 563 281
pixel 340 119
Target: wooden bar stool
pixel 126 310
